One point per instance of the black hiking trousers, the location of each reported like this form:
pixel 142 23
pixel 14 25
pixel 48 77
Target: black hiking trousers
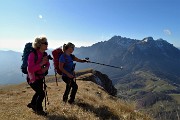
pixel 70 83
pixel 39 95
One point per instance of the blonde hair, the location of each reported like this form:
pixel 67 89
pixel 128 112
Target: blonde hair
pixel 38 41
pixel 68 45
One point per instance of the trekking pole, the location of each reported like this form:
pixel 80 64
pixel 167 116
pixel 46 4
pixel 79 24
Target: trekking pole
pixel 74 77
pixel 56 76
pixel 73 69
pixel 45 93
pixel 104 64
pixel 46 96
pixel 74 73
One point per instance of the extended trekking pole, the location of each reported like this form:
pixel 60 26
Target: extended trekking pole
pixel 104 64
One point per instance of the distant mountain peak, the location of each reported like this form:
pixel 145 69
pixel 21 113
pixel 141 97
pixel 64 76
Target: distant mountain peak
pixel 148 39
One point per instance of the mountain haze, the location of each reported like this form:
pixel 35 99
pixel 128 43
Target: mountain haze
pixel 10 63
pixel 10 71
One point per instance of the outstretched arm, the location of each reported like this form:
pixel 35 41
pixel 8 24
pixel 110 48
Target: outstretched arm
pixel 80 60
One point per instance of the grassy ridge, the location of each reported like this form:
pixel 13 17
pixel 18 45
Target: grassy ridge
pixel 92 103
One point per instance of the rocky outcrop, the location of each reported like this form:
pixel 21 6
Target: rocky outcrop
pixel 98 78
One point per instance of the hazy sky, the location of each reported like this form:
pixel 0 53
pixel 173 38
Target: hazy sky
pixel 85 22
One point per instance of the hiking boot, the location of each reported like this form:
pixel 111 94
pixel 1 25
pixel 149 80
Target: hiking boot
pixel 32 106
pixel 70 101
pixel 41 112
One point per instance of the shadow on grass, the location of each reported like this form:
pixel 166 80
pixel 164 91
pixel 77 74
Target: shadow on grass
pixel 102 112
pixel 60 117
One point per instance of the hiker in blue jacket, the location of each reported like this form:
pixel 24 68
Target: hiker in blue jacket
pixel 67 67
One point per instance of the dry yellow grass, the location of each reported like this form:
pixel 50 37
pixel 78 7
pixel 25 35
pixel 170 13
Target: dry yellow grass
pixel 92 103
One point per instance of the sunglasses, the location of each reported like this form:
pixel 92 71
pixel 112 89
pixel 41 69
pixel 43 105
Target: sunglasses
pixel 45 43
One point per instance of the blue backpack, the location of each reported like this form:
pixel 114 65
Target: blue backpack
pixel 27 50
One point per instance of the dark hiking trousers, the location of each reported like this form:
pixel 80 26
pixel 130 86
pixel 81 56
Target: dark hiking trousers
pixel 39 95
pixel 70 83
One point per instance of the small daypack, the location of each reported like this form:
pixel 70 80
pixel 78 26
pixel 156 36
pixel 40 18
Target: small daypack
pixel 56 54
pixel 27 50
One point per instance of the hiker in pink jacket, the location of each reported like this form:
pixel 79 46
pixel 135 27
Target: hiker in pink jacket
pixel 36 73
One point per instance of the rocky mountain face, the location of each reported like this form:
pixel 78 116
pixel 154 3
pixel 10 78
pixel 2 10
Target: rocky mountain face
pixel 151 74
pixel 158 56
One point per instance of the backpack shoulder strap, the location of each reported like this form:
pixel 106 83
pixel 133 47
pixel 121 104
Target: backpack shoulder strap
pixel 35 55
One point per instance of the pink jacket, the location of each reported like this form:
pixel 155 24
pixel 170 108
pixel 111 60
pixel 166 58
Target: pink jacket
pixel 34 69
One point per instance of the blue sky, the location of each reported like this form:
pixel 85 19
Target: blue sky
pixel 85 22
